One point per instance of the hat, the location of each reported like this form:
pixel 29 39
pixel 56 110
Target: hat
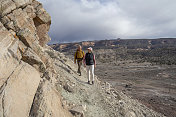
pixel 90 48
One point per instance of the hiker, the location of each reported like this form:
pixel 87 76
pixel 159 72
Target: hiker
pixel 79 55
pixel 90 64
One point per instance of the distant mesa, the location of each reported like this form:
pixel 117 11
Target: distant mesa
pixel 139 44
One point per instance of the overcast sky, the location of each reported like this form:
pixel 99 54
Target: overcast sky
pixel 77 20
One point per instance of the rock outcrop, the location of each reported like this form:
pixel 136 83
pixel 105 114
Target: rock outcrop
pixel 36 81
pixel 24 91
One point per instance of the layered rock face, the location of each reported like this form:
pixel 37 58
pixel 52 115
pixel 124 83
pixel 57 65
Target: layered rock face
pixel 24 65
pixel 36 81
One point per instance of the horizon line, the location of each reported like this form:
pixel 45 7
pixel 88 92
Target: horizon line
pixel 113 39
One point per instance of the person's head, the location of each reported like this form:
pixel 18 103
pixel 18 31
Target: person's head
pixel 79 47
pixel 89 49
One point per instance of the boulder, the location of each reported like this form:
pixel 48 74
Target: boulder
pixel 43 16
pixel 30 57
pixel 42 29
pixel 22 21
pixel 78 111
pixel 30 11
pixel 69 88
pixel 30 40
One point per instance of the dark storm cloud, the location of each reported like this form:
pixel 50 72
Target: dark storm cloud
pixel 76 20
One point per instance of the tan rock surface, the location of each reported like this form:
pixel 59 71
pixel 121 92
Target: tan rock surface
pixel 9 55
pixel 21 3
pixel 47 103
pixel 18 91
pixel 6 6
pixel 23 62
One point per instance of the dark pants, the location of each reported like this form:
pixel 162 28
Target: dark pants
pixel 79 66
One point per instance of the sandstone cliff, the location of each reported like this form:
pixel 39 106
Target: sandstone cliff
pixel 36 81
pixel 24 66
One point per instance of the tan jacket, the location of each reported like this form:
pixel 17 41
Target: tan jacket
pixel 79 54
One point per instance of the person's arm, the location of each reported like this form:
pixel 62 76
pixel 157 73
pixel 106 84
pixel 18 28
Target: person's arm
pixel 94 61
pixel 84 60
pixel 75 58
pixel 83 54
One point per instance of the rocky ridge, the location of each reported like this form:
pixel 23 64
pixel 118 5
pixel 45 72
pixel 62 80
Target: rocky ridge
pixel 36 81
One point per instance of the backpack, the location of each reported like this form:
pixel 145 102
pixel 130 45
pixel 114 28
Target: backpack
pixel 79 54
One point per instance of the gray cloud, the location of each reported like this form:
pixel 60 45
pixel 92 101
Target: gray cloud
pixel 77 20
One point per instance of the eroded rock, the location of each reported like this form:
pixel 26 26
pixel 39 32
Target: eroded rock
pixel 47 103
pixel 23 62
pixel 69 87
pixel 18 91
pixel 30 57
pixel 78 111
pixel 6 6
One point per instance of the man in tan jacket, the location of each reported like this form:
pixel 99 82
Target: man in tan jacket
pixel 79 55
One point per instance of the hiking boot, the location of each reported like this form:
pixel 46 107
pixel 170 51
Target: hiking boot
pixel 79 74
pixel 92 82
pixel 88 82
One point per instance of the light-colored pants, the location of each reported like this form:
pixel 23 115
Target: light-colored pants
pixel 90 72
